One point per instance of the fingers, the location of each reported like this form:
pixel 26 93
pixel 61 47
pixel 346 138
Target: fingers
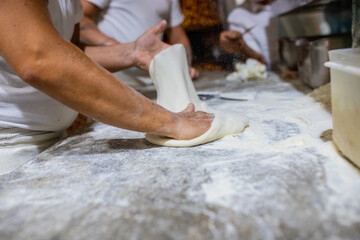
pixel 233 35
pixel 158 28
pixel 230 35
pixel 197 116
pixel 193 125
pixel 205 116
pixel 189 112
pixel 194 74
pixel 222 36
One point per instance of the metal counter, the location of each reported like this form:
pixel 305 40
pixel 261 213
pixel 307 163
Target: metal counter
pixel 282 178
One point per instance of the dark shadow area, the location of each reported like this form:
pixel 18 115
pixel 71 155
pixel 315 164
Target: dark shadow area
pixel 130 144
pixel 326 136
pixel 89 146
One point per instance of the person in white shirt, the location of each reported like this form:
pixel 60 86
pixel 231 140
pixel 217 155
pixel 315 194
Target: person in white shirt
pixel 108 22
pixel 251 34
pixel 45 80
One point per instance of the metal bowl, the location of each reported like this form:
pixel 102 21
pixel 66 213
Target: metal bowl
pixel 311 56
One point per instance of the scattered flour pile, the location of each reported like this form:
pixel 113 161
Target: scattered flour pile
pixel 252 69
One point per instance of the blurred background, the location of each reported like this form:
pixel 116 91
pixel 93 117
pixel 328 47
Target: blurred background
pixel 299 34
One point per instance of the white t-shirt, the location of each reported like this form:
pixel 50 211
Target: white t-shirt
pixel 263 35
pixel 23 106
pixel 126 20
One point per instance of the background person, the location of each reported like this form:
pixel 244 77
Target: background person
pixel 251 32
pixel 108 22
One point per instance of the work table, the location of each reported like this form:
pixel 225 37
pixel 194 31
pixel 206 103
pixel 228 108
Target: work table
pixel 282 178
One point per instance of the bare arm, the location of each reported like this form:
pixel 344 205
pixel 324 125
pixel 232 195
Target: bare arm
pixel 90 34
pixel 124 55
pixel 62 71
pixel 111 54
pixel 232 42
pixel 113 58
pixel 98 46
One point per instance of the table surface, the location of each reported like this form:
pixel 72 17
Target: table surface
pixel 282 178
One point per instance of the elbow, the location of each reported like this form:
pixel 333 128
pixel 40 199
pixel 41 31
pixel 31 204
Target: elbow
pixel 29 73
pixel 32 69
pixel 28 76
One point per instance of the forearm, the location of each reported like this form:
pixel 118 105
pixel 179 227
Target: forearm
pixel 113 58
pixel 232 42
pixel 92 91
pixel 246 52
pixel 91 35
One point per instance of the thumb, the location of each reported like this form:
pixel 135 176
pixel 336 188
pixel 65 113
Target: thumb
pixel 159 28
pixel 190 108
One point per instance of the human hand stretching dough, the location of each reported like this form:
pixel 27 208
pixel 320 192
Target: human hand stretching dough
pixel 148 45
pixel 31 45
pixel 117 56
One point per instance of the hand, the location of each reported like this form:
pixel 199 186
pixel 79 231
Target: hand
pixel 148 45
pixel 232 42
pixel 194 74
pixel 192 124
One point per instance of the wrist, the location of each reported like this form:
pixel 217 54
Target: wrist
pixel 125 54
pixel 132 53
pixel 169 126
pixel 141 60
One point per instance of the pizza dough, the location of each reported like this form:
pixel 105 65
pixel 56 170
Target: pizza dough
pixel 175 90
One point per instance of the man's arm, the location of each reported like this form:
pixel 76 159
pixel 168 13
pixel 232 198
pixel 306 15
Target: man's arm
pixel 98 46
pixel 112 57
pixel 38 54
pixel 124 55
pixel 178 35
pixel 232 42
pixel 111 54
pixel 90 34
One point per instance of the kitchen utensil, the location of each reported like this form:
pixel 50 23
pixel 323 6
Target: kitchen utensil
pixel 311 56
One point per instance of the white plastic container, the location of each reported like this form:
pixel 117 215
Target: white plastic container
pixel 344 67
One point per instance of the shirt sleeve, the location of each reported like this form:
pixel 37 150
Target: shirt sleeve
pixel 241 19
pixel 100 3
pixel 79 13
pixel 176 17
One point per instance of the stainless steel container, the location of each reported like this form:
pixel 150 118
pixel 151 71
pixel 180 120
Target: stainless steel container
pixel 288 53
pixel 311 56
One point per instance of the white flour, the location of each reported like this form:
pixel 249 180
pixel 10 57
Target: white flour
pixel 287 129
